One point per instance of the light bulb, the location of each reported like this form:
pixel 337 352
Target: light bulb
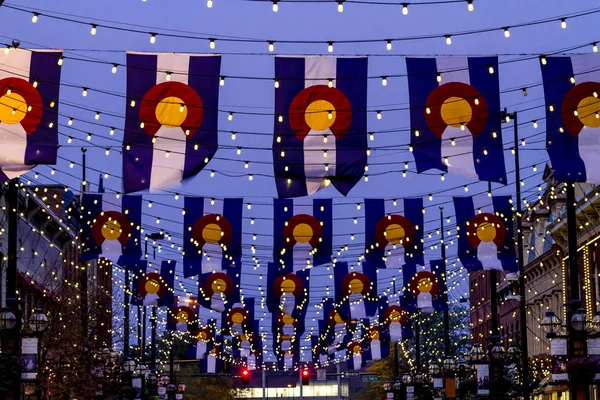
pixel 330 47
pixel 276 83
pixel 60 60
pixel 280 118
pixel 448 39
pixel 212 43
pixel 340 6
pixel 563 23
pixel 379 115
pixel 372 136
pixel 551 107
pixel 84 92
pixel 595 47
pixel 275 6
pixel 239 151
pixel 230 116
pixel 35 83
pixel 330 114
pixel 491 69
pixel 405 9
pixel 112 131
pixel 152 38
pixel 439 77
pixel 384 81
pixel 572 79
pixel 233 135
pixel 209 3
pixel 114 68
pixel 271 46
pixel 543 60
pixel 34 19
pixel 168 76
pixel 97 116
pixel 132 103
pixel 470 6
pixel 70 121
pixel 524 91
pixel 222 81
pixel 94 30
pixel 535 124
pixel 506 32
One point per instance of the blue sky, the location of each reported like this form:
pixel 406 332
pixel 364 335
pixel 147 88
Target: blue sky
pixel 301 21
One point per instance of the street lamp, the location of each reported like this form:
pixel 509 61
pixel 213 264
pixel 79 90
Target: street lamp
pixel 406 379
pixel 550 323
pixel 418 377
pixel 171 389
pixel 477 353
pixel 38 322
pixel 8 319
pixel 595 325
pixel 434 369
pixel 497 351
pixel 578 321
pixel 449 364
pixel 129 365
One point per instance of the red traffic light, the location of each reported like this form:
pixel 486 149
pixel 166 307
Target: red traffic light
pixel 245 376
pixel 305 375
pixel 245 372
pixel 305 372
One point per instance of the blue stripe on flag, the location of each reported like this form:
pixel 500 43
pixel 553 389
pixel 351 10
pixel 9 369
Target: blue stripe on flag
pixel 192 260
pixel 279 218
pixel 506 252
pixel 563 149
pixel 203 77
pixel 408 297
pixel 167 271
pixel 489 167
pixel 427 147
pixel 138 269
pixel 325 247
pixel 351 150
pixel 137 162
pixel 465 210
pixel 413 210
pixel 290 72
pixel 440 300
pixel 374 212
pixel 133 249
pixel 232 211
pixel 92 207
pixel 340 270
pixel 42 144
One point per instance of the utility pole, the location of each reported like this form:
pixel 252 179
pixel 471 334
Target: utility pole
pixel 83 279
pixel 446 311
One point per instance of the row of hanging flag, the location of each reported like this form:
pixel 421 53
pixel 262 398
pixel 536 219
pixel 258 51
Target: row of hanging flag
pixel 320 117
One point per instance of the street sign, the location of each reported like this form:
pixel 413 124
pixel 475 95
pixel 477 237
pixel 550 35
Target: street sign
pixel 370 378
pixel 352 374
pixel 321 375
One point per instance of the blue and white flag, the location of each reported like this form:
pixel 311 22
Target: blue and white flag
pixel 485 233
pixel 377 342
pixel 302 233
pixel 320 124
pixel 111 228
pixel 287 335
pixel 571 88
pixel 358 352
pixel 425 287
pixel 287 291
pixel 212 235
pixel 202 340
pixel 355 290
pixel 29 84
pixel 394 232
pixel 394 320
pixel 171 129
pixel 455 116
pixel 154 286
pixel 212 362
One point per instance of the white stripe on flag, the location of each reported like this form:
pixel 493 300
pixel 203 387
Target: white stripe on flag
pixel 487 252
pixel 171 141
pixel 177 64
pixel 13 137
pixel 357 306
pixel 211 363
pixel 587 68
pixel 212 251
pixel 112 249
pixel 315 160
pixel 460 156
pixel 394 256
pixel 376 350
pixel 301 251
pixel 318 70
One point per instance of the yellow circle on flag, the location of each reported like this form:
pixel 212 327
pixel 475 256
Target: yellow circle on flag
pixel 287 319
pixel 356 286
pixel 182 316
pixel 486 232
pixel 338 318
pixel 13 108
pixel 456 111
pixel 587 109
pixel 288 286
pixel 171 112
pixel 425 285
pixel 394 233
pixel 211 233
pixel 375 335
pixel 320 115
pixel 219 286
pixel 395 316
pixel 152 286
pixel 303 233
pixel 237 318
pixel 111 230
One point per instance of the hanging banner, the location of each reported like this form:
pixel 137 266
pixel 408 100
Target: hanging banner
pixel 29 83
pixel 171 120
pixel 29 358
pixel 425 287
pixel 483 379
pixel 320 135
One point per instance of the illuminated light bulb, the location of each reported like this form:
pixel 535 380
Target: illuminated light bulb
pixel 417 133
pixel 142 124
pixel 330 83
pixel 462 127
pixel 325 140
pixel 366 167
pixel 275 6
pixel 72 164
pixel 250 176
pixel 128 147
pixel 340 6
pixel 280 118
pixel 233 135
pixel 439 77
pixel 563 23
pixel 595 94
pixel 246 164
pixel 470 5
pixel 448 39
pixel 35 17
pixel 84 92
pixel 572 79
pixel 576 113
pixel 211 44
pixel 379 115
pixel 595 47
pixel 366 180
pixel 534 168
pixel 70 121
pixel 523 143
pixel 278 139
pixel 51 124
pixel 94 30
pixel 212 174
pixel 324 153
pixel 551 107
pixel 35 83
pixel 491 69
pixel 114 68
pixel 168 76
pixel 29 108
pixel 507 118
pixel 430 197
pixel 107 152
pixel 271 46
pixel 403 173
pixel 276 83
pixel 181 108
pixel 89 137
pixel 372 136
pixel 60 60
pixel 209 3
pixel 326 167
pixel 112 131
pixel 388 45
pixel 405 9
pixel 230 116
pixel 506 32
pixel 442 177
pixel 524 91
pixel 485 152
pixel 330 114
pixel 410 148
pixel 597 115
pixel 543 60
pixel 384 81
pixel 152 38
pixel 132 103
pixel 239 151
pixel 97 116
pixel 330 47
pixel 494 134
pixel 51 103
pixel 561 129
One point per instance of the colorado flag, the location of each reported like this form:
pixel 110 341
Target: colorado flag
pixel 571 88
pixel 425 287
pixel 29 91
pixel 455 116
pixel 171 118
pixel 320 124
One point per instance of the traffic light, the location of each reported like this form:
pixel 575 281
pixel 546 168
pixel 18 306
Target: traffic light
pixel 245 376
pixel 305 374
